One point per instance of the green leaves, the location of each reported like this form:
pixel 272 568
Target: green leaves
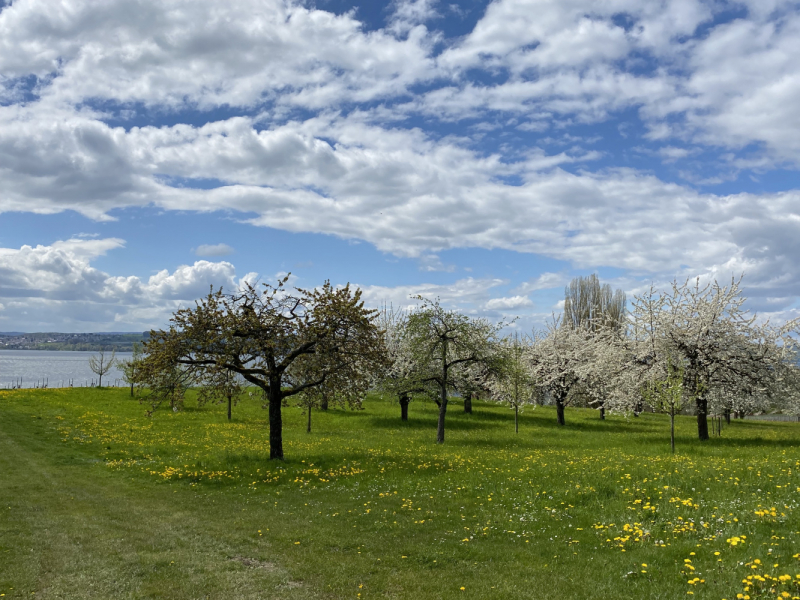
pixel 283 342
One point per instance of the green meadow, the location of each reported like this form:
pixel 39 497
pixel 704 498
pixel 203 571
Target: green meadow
pixel 99 501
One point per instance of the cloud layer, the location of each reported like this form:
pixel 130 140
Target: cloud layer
pixel 299 119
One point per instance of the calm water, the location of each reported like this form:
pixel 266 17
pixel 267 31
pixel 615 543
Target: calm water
pixel 37 366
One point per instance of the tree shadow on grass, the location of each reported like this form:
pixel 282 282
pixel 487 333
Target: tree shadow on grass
pixel 754 442
pixel 342 413
pixel 429 423
pixel 524 443
pixel 578 423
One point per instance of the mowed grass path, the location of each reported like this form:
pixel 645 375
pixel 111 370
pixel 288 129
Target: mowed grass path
pixel 98 501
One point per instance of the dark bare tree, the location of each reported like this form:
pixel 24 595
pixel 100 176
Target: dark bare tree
pixel 101 363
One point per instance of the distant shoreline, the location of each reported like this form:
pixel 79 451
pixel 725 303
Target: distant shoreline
pixel 50 349
pixel 72 342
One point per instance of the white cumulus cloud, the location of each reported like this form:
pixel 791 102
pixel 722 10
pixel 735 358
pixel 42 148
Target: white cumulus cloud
pixel 213 250
pixel 57 285
pixel 509 303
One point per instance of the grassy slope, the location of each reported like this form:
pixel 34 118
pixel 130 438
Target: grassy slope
pixel 96 501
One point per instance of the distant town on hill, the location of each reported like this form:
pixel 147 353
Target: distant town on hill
pixel 119 341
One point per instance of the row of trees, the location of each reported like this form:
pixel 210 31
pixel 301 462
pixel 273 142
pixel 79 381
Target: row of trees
pixel 691 344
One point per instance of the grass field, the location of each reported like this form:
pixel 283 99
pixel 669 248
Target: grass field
pixel 98 501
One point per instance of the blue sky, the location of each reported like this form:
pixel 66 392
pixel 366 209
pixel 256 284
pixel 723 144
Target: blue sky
pixel 480 152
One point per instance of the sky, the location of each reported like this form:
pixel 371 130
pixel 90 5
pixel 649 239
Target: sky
pixel 480 152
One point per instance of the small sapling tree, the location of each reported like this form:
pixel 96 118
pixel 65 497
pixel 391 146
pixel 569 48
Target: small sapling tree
pixel 511 379
pixel 667 395
pixel 130 368
pixel 307 400
pixel 220 386
pixel 101 363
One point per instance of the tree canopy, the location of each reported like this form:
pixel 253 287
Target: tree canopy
pixel 283 342
pixel 439 341
pixel 722 352
pixel 512 380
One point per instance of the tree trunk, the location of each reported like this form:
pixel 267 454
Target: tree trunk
pixel 468 403
pixel 728 416
pixel 324 404
pixel 516 419
pixel 404 407
pixel 603 413
pixel 702 417
pixel 443 396
pixel 131 390
pixel 672 430
pixel 308 427
pixel 275 420
pixel 100 382
pixel 230 401
pixel 560 411
pixel 442 412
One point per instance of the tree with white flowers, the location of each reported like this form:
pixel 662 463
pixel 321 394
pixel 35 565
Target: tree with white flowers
pixel 724 353
pixel 788 388
pixel 560 359
pixel 470 381
pixel 440 341
pixel 600 312
pixel 403 377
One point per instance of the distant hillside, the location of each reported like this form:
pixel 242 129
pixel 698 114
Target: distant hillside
pixel 121 342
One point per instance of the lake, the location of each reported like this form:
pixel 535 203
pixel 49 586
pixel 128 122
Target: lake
pixel 35 367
